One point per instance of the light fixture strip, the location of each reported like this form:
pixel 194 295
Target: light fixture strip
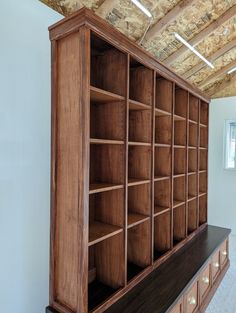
pixel 142 8
pixel 181 39
pixel 232 70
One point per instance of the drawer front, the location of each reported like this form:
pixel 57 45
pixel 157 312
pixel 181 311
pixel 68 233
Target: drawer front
pixel 215 267
pixel 191 298
pixel 224 251
pixel 204 282
pixel 178 308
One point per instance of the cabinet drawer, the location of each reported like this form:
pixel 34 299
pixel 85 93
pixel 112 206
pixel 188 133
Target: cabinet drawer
pixel 191 298
pixel 204 282
pixel 178 308
pixel 224 253
pixel 215 267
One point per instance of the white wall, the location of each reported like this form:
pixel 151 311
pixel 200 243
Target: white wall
pixel 222 183
pixel 24 155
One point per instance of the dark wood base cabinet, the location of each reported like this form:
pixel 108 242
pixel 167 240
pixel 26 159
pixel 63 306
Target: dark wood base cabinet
pixel 185 283
pixel 128 178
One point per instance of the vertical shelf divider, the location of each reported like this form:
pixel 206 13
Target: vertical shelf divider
pixel 186 168
pixel 172 169
pixel 126 165
pixel 198 159
pixel 153 165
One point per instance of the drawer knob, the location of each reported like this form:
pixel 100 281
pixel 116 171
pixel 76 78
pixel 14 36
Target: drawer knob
pixel 224 252
pixel 192 300
pixel 205 280
pixel 216 264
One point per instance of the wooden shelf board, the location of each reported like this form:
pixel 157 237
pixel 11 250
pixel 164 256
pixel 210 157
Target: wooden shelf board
pixel 136 143
pixel 203 125
pixel 136 218
pixel 98 293
pixel 102 96
pixel 202 171
pixel 191 198
pixel 192 173
pixel 159 178
pixel 179 147
pixel 192 121
pixel 179 118
pixel 179 175
pixel 158 210
pixel 106 141
pixel 163 145
pixel 136 105
pixel 135 181
pixel 99 231
pixel 100 187
pixel 192 147
pixel 203 148
pixel 202 194
pixel 160 112
pixel 177 203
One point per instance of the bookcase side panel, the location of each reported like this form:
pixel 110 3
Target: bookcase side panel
pixel 70 179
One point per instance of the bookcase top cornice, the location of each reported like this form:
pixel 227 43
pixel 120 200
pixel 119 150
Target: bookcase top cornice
pixel 86 17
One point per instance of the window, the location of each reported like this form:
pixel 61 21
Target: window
pixel 230 144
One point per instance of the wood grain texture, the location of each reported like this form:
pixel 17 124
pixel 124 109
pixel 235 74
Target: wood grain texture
pixel 110 261
pixel 107 120
pixel 139 236
pixel 139 199
pixel 70 159
pixel 162 233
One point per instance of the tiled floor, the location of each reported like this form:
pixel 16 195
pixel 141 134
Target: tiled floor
pixel 224 300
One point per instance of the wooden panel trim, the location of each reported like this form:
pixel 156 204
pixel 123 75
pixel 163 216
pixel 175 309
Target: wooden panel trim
pixel 77 209
pixel 53 167
pixel 87 17
pixel 82 279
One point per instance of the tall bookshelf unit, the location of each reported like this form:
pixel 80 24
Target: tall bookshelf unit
pixel 129 164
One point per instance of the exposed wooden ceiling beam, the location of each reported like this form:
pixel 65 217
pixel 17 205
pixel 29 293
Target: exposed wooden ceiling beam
pixel 230 45
pixel 203 34
pixel 224 84
pixel 215 75
pixel 106 7
pixel 172 15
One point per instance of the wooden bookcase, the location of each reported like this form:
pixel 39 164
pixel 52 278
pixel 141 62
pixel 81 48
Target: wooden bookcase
pixel 129 164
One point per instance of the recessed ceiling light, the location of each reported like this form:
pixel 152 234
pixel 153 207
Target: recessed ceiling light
pixel 232 70
pixel 181 39
pixel 142 8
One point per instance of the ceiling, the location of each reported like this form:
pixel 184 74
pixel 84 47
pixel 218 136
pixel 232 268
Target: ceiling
pixel 209 25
